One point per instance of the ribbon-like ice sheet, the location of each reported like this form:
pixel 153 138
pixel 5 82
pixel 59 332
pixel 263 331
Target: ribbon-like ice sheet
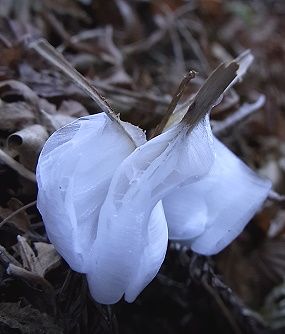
pixel 101 187
pixel 132 238
pixel 73 173
pixel 209 214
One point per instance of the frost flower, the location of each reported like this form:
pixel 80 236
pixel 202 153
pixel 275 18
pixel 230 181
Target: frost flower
pixel 73 173
pixel 100 198
pixel 108 197
pixel 209 214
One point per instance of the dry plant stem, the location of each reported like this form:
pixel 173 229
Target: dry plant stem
pixel 274 196
pixel 185 32
pixel 210 92
pixel 59 29
pixel 4 221
pixel 81 36
pixel 17 166
pixel 222 306
pixel 244 111
pixel 156 36
pixel 30 277
pixel 136 95
pixel 176 97
pixel 145 44
pixel 7 257
pixel 56 25
pixel 48 52
pixel 174 38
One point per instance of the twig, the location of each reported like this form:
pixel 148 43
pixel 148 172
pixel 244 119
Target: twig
pixel 222 306
pixel 174 38
pixel 156 36
pixel 142 96
pixel 81 36
pixel 177 49
pixel 30 277
pixel 145 44
pixel 7 258
pixel 23 171
pixel 210 92
pixel 244 111
pixel 274 196
pixel 53 56
pixel 176 97
pixel 4 221
pixel 185 32
pixel 57 26
pixel 48 52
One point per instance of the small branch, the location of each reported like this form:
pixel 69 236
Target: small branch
pixel 176 97
pixel 275 197
pixel 30 277
pixel 146 44
pixel 150 41
pixel 23 171
pixel 48 52
pixel 210 92
pixel 136 95
pixel 244 111
pixel 4 221
pixel 193 44
pixel 227 314
pixel 7 258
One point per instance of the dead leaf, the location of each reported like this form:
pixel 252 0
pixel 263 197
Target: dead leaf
pixel 47 256
pixel 46 259
pixel 54 122
pixel 15 115
pixel 28 143
pixel 9 86
pixel 29 259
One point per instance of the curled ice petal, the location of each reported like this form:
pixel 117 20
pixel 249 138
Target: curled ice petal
pixel 186 213
pixel 232 193
pixel 128 258
pixel 153 253
pixel 123 236
pixel 73 173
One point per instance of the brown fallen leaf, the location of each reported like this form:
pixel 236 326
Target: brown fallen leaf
pixel 15 115
pixel 72 108
pixel 56 121
pixel 34 267
pixel 40 264
pixel 47 256
pixel 8 86
pixel 28 143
